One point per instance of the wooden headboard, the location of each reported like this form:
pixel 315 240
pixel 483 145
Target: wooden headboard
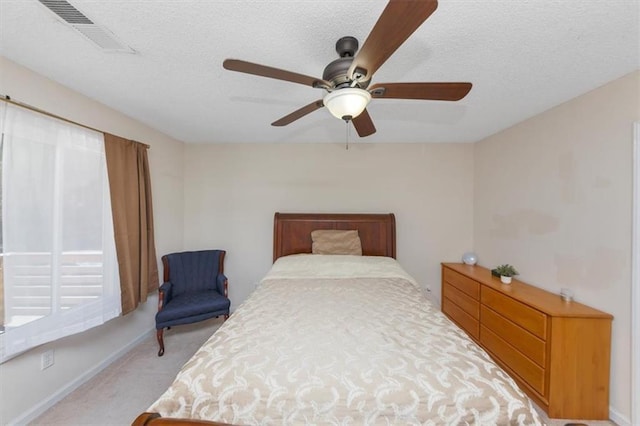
pixel 292 231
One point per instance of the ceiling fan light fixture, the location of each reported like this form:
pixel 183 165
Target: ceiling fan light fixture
pixel 347 103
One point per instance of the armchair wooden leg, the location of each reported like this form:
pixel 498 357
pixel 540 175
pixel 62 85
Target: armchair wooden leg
pixel 226 317
pixel 160 341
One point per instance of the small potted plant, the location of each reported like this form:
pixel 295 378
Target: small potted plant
pixel 506 271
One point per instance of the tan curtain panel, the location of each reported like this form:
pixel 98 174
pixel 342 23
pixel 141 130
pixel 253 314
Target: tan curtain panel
pixel 130 187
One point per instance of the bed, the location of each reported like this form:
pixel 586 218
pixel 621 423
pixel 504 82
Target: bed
pixel 339 339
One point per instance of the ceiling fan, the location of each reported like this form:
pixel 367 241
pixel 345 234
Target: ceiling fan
pixel 347 78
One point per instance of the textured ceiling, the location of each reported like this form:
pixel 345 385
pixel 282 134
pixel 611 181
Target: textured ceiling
pixel 523 57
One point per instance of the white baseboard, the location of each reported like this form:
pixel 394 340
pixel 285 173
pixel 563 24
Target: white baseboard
pixel 618 418
pixel 53 399
pixel 635 281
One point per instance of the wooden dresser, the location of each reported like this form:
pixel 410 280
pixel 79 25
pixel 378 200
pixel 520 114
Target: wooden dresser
pixel 558 352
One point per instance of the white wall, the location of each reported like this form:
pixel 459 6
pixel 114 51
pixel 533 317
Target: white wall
pixel 553 197
pixel 24 387
pixel 233 190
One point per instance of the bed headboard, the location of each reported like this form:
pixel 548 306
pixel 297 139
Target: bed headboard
pixel 292 231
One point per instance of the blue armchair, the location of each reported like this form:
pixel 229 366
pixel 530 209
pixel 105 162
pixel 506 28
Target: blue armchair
pixel 194 289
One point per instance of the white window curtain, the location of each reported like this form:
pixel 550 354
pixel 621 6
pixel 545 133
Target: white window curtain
pixel 59 268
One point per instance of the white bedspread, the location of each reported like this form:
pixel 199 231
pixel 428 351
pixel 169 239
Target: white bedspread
pixel 342 340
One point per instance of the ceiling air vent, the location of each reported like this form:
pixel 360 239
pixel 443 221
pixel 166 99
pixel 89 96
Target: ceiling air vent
pixel 100 36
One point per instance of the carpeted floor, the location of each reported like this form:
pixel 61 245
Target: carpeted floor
pixel 127 387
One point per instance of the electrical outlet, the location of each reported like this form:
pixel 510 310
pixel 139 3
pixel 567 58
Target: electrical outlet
pixel 427 291
pixel 47 359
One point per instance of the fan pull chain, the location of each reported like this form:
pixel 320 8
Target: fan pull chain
pixel 346 122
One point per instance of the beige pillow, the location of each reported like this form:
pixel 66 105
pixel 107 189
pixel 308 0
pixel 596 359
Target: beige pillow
pixel 330 241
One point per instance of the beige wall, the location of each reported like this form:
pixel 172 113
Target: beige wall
pixel 233 190
pixel 553 196
pixel 24 385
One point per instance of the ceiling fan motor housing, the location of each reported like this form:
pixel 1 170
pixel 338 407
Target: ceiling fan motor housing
pixel 337 71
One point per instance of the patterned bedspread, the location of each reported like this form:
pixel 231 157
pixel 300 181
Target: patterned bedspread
pixel 342 340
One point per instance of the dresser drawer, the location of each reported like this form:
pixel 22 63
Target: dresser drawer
pixel 462 283
pixel 528 344
pixel 527 370
pixel 460 317
pixel 464 301
pixel 526 317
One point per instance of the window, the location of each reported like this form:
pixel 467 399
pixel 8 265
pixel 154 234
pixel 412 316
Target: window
pixel 59 273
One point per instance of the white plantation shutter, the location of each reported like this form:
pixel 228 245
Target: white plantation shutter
pixel 60 274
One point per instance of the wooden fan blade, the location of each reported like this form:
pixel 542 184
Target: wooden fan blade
pixel 278 74
pixel 427 91
pixel 398 21
pixel 363 124
pixel 299 113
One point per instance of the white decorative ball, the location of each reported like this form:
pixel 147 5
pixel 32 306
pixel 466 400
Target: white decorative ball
pixel 470 258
